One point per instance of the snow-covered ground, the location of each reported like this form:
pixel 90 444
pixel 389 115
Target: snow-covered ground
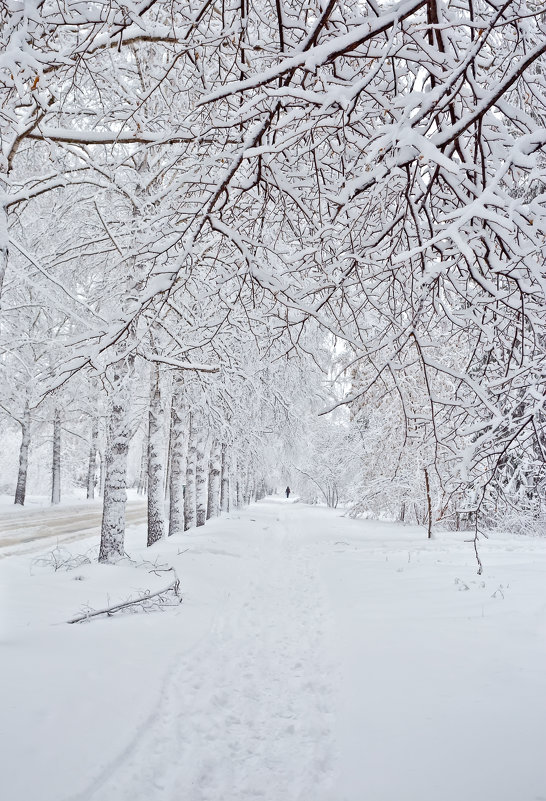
pixel 313 657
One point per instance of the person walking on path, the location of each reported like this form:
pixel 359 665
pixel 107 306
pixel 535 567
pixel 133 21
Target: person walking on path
pixel 287 493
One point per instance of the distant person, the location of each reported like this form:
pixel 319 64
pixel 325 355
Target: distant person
pixel 287 493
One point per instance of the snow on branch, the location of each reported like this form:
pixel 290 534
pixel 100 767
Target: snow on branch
pixel 198 368
pixel 315 56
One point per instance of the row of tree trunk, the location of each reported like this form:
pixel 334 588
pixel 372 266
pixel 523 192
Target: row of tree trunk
pixel 191 481
pixel 200 468
pixel 22 474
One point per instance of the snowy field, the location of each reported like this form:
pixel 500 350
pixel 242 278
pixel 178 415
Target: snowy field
pixel 313 658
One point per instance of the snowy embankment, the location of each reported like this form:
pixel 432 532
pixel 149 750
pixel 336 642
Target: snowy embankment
pixel 312 658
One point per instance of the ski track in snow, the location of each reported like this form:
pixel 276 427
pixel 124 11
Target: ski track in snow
pixel 247 714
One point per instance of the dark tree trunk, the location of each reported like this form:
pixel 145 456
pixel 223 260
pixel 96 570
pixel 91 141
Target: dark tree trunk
pixel 189 495
pixel 102 474
pixel 21 489
pixel 156 512
pixel 56 463
pixel 429 505
pixel 3 245
pixel 215 469
pixel 112 544
pixel 143 475
pixel 176 492
pixel 224 484
pixel 92 466
pixel 201 481
pixel 168 457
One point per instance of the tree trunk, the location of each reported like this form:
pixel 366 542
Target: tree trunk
pixel 235 488
pixel 56 463
pixel 429 505
pixel 143 475
pixel 260 489
pixel 115 470
pixel 224 483
pixel 242 483
pixel 215 469
pixel 201 481
pixel 92 466
pixel 168 456
pixel 102 474
pixel 189 495
pixel 4 238
pixel 21 489
pixel 176 491
pixel 156 501
pixel 249 487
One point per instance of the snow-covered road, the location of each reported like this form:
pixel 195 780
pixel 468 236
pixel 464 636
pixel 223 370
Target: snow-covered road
pixel 314 658
pixel 21 528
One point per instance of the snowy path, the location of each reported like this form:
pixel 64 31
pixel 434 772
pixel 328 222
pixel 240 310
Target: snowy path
pixel 247 715
pixel 314 658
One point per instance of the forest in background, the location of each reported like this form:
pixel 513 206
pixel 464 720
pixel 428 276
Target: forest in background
pixel 249 242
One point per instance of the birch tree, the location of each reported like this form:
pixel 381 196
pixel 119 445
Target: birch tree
pixel 112 545
pixel 56 459
pixel 190 513
pixel 177 476
pixel 215 468
pixel 156 514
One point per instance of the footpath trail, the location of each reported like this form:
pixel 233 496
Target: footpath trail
pixel 313 658
pixel 248 714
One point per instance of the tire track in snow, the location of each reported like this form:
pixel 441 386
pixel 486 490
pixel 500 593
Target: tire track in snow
pixel 248 716
pixel 67 526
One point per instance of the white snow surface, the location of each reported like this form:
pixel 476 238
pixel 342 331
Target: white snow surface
pixel 313 658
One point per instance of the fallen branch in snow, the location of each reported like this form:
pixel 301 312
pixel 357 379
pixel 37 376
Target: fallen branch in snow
pixel 160 595
pixel 62 559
